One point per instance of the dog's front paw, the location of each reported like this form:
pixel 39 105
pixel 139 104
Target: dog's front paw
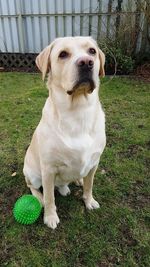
pixel 91 204
pixel 51 220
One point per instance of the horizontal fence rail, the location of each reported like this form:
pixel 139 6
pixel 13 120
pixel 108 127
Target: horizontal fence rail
pixel 27 26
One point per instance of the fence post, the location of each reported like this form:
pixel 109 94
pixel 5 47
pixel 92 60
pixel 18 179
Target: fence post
pixel 20 25
pixel 99 20
pixel 141 31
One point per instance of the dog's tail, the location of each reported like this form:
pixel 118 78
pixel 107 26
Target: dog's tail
pixel 35 192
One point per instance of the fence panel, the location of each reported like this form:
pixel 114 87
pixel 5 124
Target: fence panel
pixel 28 26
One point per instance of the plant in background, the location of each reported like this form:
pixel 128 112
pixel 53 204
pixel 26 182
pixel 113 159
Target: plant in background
pixel 117 61
pixel 120 49
pixel 121 42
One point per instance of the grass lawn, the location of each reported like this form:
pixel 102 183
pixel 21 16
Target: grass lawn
pixel 117 234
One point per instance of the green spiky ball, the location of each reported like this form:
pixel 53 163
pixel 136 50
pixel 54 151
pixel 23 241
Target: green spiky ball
pixel 27 209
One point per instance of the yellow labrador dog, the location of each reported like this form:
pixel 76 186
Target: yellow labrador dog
pixel 67 143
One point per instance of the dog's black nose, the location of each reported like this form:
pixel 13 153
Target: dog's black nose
pixel 85 63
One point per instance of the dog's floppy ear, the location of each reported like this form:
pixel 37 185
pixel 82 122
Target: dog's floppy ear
pixel 43 60
pixel 102 63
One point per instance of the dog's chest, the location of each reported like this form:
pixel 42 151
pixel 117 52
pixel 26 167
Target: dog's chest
pixel 72 145
pixel 78 156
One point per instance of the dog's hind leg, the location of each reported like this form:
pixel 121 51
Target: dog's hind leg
pixel 35 192
pixel 79 182
pixel 64 190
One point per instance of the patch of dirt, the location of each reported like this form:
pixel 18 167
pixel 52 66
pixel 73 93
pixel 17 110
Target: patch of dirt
pixel 148 144
pixel 125 240
pixel 136 199
pixel 143 72
pixel 13 166
pixel 117 126
pixel 127 237
pixel 7 201
pixel 111 261
pixel 103 264
pixel 6 252
pixel 112 140
pixel 131 151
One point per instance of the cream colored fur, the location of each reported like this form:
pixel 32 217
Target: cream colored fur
pixel 70 137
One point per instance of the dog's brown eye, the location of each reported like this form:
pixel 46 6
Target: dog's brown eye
pixel 63 54
pixel 92 51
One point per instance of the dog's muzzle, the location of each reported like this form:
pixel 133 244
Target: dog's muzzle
pixel 85 81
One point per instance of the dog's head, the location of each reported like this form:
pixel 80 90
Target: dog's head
pixel 73 64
